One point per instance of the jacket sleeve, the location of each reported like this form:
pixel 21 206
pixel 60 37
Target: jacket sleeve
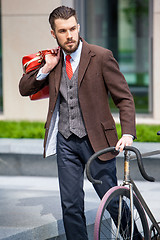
pixel 28 84
pixel 120 93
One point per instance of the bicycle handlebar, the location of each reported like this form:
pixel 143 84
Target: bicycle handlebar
pixel 112 149
pixel 93 157
pixel 140 163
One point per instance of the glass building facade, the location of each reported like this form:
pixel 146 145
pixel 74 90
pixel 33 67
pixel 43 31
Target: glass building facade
pixel 123 27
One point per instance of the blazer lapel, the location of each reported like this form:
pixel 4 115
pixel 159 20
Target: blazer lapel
pixel 58 73
pixel 84 61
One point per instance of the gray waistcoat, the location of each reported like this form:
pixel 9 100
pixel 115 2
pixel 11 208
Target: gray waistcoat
pixel 70 120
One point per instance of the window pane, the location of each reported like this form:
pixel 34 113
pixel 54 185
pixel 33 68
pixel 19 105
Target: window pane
pixel 122 26
pixel 133 48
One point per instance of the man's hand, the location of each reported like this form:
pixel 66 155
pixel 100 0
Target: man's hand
pixel 51 60
pixel 126 140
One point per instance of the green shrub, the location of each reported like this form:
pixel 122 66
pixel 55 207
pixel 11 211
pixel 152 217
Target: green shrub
pixel 26 129
pixel 145 133
pixel 22 129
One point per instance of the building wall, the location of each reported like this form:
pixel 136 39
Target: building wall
pixel 25 30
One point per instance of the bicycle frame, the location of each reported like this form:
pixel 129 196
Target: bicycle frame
pixel 145 206
pixel 133 188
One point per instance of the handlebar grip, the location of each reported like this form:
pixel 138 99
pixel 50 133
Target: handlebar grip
pixel 140 163
pixel 92 158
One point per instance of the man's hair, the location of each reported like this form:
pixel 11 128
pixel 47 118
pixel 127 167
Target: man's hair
pixel 61 12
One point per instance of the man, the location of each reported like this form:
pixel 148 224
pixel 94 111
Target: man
pixel 80 76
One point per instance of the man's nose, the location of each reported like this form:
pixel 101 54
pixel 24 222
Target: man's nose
pixel 69 35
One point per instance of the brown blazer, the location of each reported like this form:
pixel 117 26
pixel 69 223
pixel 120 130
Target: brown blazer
pixel 98 74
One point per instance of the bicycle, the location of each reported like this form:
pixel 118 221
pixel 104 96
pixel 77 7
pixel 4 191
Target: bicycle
pixel 131 208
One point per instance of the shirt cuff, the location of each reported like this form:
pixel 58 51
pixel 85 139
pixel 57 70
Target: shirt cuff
pixel 128 135
pixel 40 75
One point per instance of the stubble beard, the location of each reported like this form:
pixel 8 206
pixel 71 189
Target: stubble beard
pixel 69 50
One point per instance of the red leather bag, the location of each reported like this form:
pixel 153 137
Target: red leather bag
pixel 32 62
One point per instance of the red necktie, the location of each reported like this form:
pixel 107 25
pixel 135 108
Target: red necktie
pixel 69 67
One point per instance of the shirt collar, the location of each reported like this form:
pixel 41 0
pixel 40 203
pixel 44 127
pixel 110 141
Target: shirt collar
pixel 75 54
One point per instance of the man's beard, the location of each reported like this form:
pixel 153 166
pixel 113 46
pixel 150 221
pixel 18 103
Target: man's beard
pixel 67 50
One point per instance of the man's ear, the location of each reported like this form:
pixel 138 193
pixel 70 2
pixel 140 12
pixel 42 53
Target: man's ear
pixel 53 33
pixel 78 27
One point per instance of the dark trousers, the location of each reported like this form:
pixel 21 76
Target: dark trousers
pixel 72 155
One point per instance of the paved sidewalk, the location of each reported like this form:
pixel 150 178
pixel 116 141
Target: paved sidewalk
pixel 30 207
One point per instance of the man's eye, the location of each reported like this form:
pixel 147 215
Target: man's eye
pixel 62 31
pixel 74 28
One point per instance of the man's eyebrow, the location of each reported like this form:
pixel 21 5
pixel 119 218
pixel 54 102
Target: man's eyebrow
pixel 61 29
pixel 64 29
pixel 74 26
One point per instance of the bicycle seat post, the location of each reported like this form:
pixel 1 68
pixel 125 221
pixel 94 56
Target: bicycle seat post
pixel 126 167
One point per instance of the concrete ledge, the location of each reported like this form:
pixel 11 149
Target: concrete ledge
pixel 14 164
pixel 35 146
pixel 23 157
pixel 21 146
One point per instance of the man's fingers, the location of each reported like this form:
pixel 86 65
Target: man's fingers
pixel 124 141
pixel 55 51
pixel 121 147
pixel 118 145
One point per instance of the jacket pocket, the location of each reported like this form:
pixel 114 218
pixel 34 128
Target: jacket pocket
pixel 110 132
